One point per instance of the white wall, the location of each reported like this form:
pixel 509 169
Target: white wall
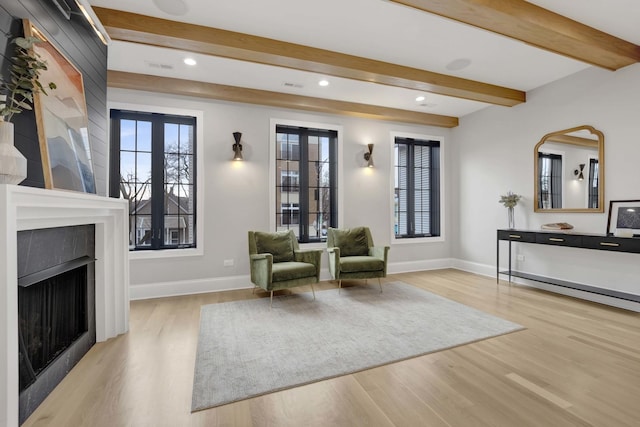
pixel 236 196
pixel 493 153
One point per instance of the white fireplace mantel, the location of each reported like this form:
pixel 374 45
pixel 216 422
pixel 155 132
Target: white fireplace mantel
pixel 26 208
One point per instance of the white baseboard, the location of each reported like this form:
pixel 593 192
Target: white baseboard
pixel 474 267
pixel 189 287
pixel 421 265
pixel 217 284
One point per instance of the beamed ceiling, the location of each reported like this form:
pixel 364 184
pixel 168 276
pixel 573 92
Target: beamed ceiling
pixel 378 56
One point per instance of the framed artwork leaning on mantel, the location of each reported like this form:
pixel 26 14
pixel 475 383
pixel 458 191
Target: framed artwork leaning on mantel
pixel 62 121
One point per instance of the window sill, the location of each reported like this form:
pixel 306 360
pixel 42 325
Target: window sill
pixel 417 240
pixel 314 245
pixel 165 253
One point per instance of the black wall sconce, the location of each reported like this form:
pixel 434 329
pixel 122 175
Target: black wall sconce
pixel 368 156
pixel 237 147
pixel 579 172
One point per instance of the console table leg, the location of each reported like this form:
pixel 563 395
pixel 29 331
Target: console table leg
pixel 497 261
pixel 509 261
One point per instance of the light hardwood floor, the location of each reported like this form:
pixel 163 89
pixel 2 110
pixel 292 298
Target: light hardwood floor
pixel 576 364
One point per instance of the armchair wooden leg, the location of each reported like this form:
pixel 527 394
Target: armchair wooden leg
pixel 271 301
pixel 380 283
pixel 314 292
pixel 339 286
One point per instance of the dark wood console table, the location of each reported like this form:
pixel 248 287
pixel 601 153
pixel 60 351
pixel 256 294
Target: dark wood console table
pixel 570 239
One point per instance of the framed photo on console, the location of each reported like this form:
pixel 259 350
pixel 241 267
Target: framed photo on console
pixel 624 214
pixel 62 120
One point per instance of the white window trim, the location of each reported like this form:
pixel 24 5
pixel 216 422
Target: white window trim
pixel 272 170
pixel 392 184
pixel 199 115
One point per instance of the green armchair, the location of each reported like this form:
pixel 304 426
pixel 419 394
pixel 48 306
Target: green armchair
pixel 353 256
pixel 278 263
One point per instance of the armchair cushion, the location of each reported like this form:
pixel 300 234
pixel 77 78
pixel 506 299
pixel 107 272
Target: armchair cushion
pixel 354 264
pixel 292 270
pixel 351 241
pixel 277 244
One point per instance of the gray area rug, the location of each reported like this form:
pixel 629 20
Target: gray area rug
pixel 245 349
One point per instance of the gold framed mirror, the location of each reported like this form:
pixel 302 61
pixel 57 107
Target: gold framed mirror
pixel 569 171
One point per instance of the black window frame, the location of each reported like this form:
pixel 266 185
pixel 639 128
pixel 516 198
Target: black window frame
pixel 158 120
pixel 435 188
pixel 302 155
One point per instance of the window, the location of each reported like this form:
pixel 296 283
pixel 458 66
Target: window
pixel 153 166
pixel 306 193
pixel 417 188
pixel 550 166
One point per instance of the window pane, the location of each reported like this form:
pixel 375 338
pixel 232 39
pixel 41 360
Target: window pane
pixel 401 220
pixel 315 227
pixel 143 166
pixel 186 139
pixel 313 149
pixel 142 227
pixel 128 166
pixel 128 135
pixel 171 168
pixel 324 149
pixel 143 133
pixel 288 146
pixel 186 169
pixel 171 141
pixel 175 229
pixel 314 173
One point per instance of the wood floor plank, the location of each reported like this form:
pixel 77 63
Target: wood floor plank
pixel 577 363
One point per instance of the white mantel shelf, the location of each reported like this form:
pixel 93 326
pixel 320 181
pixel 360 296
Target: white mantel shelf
pixel 26 208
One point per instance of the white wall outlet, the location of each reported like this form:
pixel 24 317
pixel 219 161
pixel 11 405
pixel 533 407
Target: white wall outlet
pixel 228 263
pixel 520 257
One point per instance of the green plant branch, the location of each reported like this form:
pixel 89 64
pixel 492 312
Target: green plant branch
pixel 24 79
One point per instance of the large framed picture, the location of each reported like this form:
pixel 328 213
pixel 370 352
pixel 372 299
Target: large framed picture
pixel 62 122
pixel 624 214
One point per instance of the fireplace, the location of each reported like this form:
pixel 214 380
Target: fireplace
pixel 25 209
pixel 56 307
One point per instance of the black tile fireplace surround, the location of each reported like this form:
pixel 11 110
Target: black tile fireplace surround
pixel 56 287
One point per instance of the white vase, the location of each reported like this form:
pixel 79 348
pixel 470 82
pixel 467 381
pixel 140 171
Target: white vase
pixel 13 165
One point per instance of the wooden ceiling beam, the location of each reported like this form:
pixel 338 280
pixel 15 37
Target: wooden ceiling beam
pixel 130 27
pixel 534 25
pixel 124 80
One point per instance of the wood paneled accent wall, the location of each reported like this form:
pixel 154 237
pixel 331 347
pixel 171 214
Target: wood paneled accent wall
pixel 77 41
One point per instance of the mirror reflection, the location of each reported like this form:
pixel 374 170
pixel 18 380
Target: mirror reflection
pixel 569 171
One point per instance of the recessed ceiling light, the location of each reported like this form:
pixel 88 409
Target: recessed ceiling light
pixel 171 7
pixel 190 61
pixel 323 82
pixel 420 98
pixel 458 64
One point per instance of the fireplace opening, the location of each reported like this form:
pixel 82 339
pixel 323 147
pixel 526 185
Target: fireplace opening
pixel 56 308
pixel 52 315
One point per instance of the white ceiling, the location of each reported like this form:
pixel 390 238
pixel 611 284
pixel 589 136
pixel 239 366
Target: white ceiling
pixel 374 29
